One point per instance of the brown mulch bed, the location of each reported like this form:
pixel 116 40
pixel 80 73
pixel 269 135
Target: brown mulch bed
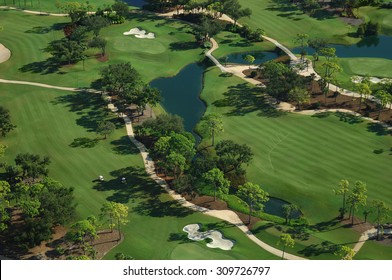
pixel 209 203
pixel 318 101
pixel 101 58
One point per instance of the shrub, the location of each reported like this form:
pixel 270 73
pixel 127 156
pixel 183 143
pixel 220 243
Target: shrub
pixel 253 74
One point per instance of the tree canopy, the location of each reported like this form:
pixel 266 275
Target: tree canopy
pixel 5 122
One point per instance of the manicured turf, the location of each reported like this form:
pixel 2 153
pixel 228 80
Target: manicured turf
pixel 50 5
pixel 27 35
pixel 283 22
pixel 232 43
pixel 373 250
pixel 376 14
pixel 301 158
pixel 316 245
pixel 358 66
pixel 50 122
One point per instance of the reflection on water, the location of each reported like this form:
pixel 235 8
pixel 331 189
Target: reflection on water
pixel 260 57
pixel 181 94
pixel 375 46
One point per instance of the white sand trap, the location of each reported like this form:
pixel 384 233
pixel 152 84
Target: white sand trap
pixel 218 241
pixel 358 79
pixel 5 53
pixel 140 33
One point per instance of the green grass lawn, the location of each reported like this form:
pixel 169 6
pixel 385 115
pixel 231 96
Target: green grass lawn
pixel 373 250
pixel 359 66
pixel 315 245
pixel 233 43
pixel 301 158
pixel 283 22
pixel 61 125
pixel 27 35
pixel 376 14
pixel 50 5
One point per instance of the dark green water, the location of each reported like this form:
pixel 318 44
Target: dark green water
pixel 274 207
pixel 379 46
pixel 260 57
pixel 136 3
pixel 181 94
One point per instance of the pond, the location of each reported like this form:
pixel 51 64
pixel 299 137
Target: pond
pixel 274 207
pixel 376 46
pixel 136 3
pixel 181 93
pixel 238 58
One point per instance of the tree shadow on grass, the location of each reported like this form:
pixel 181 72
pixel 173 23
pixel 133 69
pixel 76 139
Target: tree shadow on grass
pixel 84 142
pixel 262 228
pixel 183 46
pixel 48 66
pixel 378 129
pixel 325 247
pixel 321 115
pixel 181 238
pixel 137 186
pixel 349 118
pixel 90 108
pixel 154 207
pixel 243 99
pixel 46 29
pixel 327 225
pixel 124 146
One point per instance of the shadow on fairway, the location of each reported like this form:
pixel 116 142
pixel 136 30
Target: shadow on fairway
pixel 48 66
pixel 181 238
pixel 123 146
pixel 243 100
pixel 325 247
pixel 378 129
pixel 84 142
pixel 137 186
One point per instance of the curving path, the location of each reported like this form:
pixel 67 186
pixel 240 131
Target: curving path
pixel 225 215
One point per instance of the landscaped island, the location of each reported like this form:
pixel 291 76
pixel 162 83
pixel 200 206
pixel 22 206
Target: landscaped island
pixel 275 161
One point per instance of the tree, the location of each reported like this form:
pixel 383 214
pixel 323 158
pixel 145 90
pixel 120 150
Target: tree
pixel 2 150
pixel 213 124
pixel 119 79
pixel 301 38
pixel 121 8
pixel 176 163
pixel 364 90
pixel 232 156
pixel 105 128
pixel 5 190
pixel 83 232
pixel 288 210
pixel 208 28
pixel 342 190
pixel 287 241
pixel 383 99
pixel 99 43
pixel 344 252
pixel 253 195
pixel 96 23
pixel 116 213
pixel 300 95
pixel 65 50
pixel 216 178
pixel 249 59
pixel 357 197
pixel 33 166
pixel 164 124
pixel 382 213
pixel 5 121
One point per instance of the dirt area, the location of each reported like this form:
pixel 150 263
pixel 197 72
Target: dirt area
pixel 319 101
pixel 47 250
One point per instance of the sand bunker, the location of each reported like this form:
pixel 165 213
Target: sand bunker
pixel 218 241
pixel 358 79
pixel 5 53
pixel 140 33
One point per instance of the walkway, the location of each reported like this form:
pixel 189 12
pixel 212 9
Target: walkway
pixel 225 215
pixel 366 236
pixel 33 12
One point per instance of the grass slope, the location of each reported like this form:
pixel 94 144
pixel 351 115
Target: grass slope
pixel 301 158
pixel 283 22
pixel 50 122
pixel 376 14
pixel 27 35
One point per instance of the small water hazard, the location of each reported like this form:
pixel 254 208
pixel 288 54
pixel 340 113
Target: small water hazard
pixel 238 58
pixel 376 46
pixel 136 3
pixel 181 94
pixel 274 207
